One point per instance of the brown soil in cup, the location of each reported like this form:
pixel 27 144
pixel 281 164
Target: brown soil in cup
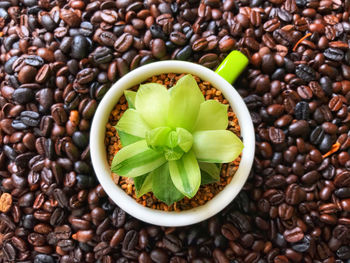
pixel 206 192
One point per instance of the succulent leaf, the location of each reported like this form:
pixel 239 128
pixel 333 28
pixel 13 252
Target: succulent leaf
pixel 143 184
pixel 130 98
pixel 127 139
pixel 152 102
pixel 184 139
pixel 132 123
pixel 136 159
pixel 185 174
pixel 221 146
pixel 163 187
pixel 185 100
pixel 212 116
pixel 210 172
pixel 157 138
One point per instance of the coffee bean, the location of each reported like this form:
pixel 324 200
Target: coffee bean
pixel 334 54
pixel 343 252
pixel 294 235
pixel 343 192
pixel 172 243
pixel 230 232
pixel 158 48
pixel 326 143
pixel 302 111
pixel 299 128
pixel 34 61
pixel 184 53
pixel 305 92
pixel 23 95
pixel 305 72
pixel 276 136
pixel 178 38
pixel 335 103
pixel 158 255
pixel 41 258
pixel 124 42
pixel 5 202
pixel 79 47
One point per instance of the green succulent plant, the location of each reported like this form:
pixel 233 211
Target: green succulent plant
pixel 173 140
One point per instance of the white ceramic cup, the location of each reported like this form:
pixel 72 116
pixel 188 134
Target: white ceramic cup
pixel 99 155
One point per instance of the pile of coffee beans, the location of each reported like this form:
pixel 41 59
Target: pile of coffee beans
pixel 57 60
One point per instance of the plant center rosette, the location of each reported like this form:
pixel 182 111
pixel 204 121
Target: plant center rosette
pixel 173 140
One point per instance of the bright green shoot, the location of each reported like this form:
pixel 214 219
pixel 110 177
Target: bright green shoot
pixel 173 140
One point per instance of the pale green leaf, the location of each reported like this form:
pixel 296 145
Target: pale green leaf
pixel 172 154
pixel 136 159
pixel 127 139
pixel 132 123
pixel 185 100
pixel 221 146
pixel 163 187
pixel 184 139
pixel 172 139
pixel 130 98
pixel 143 184
pixel 152 102
pixel 210 172
pixel 212 116
pixel 185 174
pixel 157 138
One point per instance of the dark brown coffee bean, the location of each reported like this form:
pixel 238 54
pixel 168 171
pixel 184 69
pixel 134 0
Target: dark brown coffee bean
pixel 79 47
pixel 304 92
pixel 230 232
pixel 158 48
pixel 299 128
pixel 335 103
pixel 294 235
pixel 305 72
pixel 158 255
pixel 294 194
pixel 70 17
pixel 276 136
pixel 200 44
pixel 334 54
pixel 124 42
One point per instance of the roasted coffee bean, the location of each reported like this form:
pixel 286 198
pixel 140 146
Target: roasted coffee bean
pixel 158 255
pixel 178 38
pixel 302 111
pixel 23 95
pixel 305 72
pixel 230 232
pixel 42 258
pixel 124 42
pixel 299 128
pixel 158 48
pixel 35 61
pixel 276 135
pixel 334 54
pixel 102 55
pixel 343 252
pixel 30 118
pixel 343 192
pixel 172 243
pixel 130 240
pixel 79 48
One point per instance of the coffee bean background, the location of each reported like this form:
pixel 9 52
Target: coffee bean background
pixel 58 59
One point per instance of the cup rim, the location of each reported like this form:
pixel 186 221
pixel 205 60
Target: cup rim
pixel 126 202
